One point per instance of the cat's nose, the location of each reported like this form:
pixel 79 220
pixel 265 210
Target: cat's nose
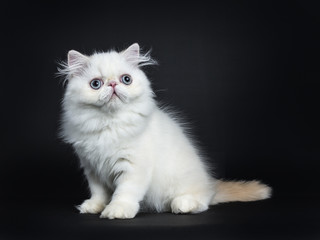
pixel 112 84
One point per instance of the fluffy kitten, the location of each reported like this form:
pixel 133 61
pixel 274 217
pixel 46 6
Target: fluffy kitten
pixel 132 151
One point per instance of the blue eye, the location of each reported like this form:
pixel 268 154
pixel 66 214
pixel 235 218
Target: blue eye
pixel 126 79
pixel 96 84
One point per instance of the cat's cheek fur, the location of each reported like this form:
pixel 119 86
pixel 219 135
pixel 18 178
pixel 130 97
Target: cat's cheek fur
pixel 81 94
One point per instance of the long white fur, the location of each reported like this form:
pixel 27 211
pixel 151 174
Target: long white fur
pixel 132 152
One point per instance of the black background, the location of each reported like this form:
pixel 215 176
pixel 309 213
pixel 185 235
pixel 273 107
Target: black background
pixel 243 73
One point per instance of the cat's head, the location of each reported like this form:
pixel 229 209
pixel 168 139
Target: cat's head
pixel 107 81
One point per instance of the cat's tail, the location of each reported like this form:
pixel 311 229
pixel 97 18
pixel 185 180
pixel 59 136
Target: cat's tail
pixel 243 191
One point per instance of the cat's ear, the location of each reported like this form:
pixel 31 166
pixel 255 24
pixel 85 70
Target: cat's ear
pixel 132 54
pixel 76 62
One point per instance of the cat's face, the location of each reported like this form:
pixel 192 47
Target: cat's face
pixel 107 81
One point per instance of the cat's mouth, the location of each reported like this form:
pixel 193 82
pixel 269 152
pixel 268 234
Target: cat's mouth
pixel 111 96
pixel 117 94
pixel 114 95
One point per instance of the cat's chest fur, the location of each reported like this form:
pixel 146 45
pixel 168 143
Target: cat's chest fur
pixel 100 153
pixel 109 149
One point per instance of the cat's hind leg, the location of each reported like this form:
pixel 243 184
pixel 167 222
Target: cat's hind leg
pixel 188 204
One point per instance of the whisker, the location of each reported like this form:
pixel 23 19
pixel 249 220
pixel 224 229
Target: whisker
pixel 161 90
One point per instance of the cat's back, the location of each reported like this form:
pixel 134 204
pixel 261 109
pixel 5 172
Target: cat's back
pixel 167 124
pixel 166 135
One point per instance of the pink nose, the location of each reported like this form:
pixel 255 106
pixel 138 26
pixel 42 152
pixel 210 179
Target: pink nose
pixel 112 84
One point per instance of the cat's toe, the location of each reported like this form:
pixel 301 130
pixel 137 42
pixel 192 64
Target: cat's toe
pixel 93 206
pixel 120 210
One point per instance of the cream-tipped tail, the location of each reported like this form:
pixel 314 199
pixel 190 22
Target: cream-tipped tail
pixel 243 191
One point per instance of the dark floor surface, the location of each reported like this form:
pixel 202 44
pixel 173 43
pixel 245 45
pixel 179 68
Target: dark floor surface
pixel 277 218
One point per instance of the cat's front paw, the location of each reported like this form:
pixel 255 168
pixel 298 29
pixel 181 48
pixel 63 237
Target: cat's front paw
pixel 120 210
pixel 91 206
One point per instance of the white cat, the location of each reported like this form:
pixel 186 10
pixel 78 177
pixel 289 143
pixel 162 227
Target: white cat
pixel 132 151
